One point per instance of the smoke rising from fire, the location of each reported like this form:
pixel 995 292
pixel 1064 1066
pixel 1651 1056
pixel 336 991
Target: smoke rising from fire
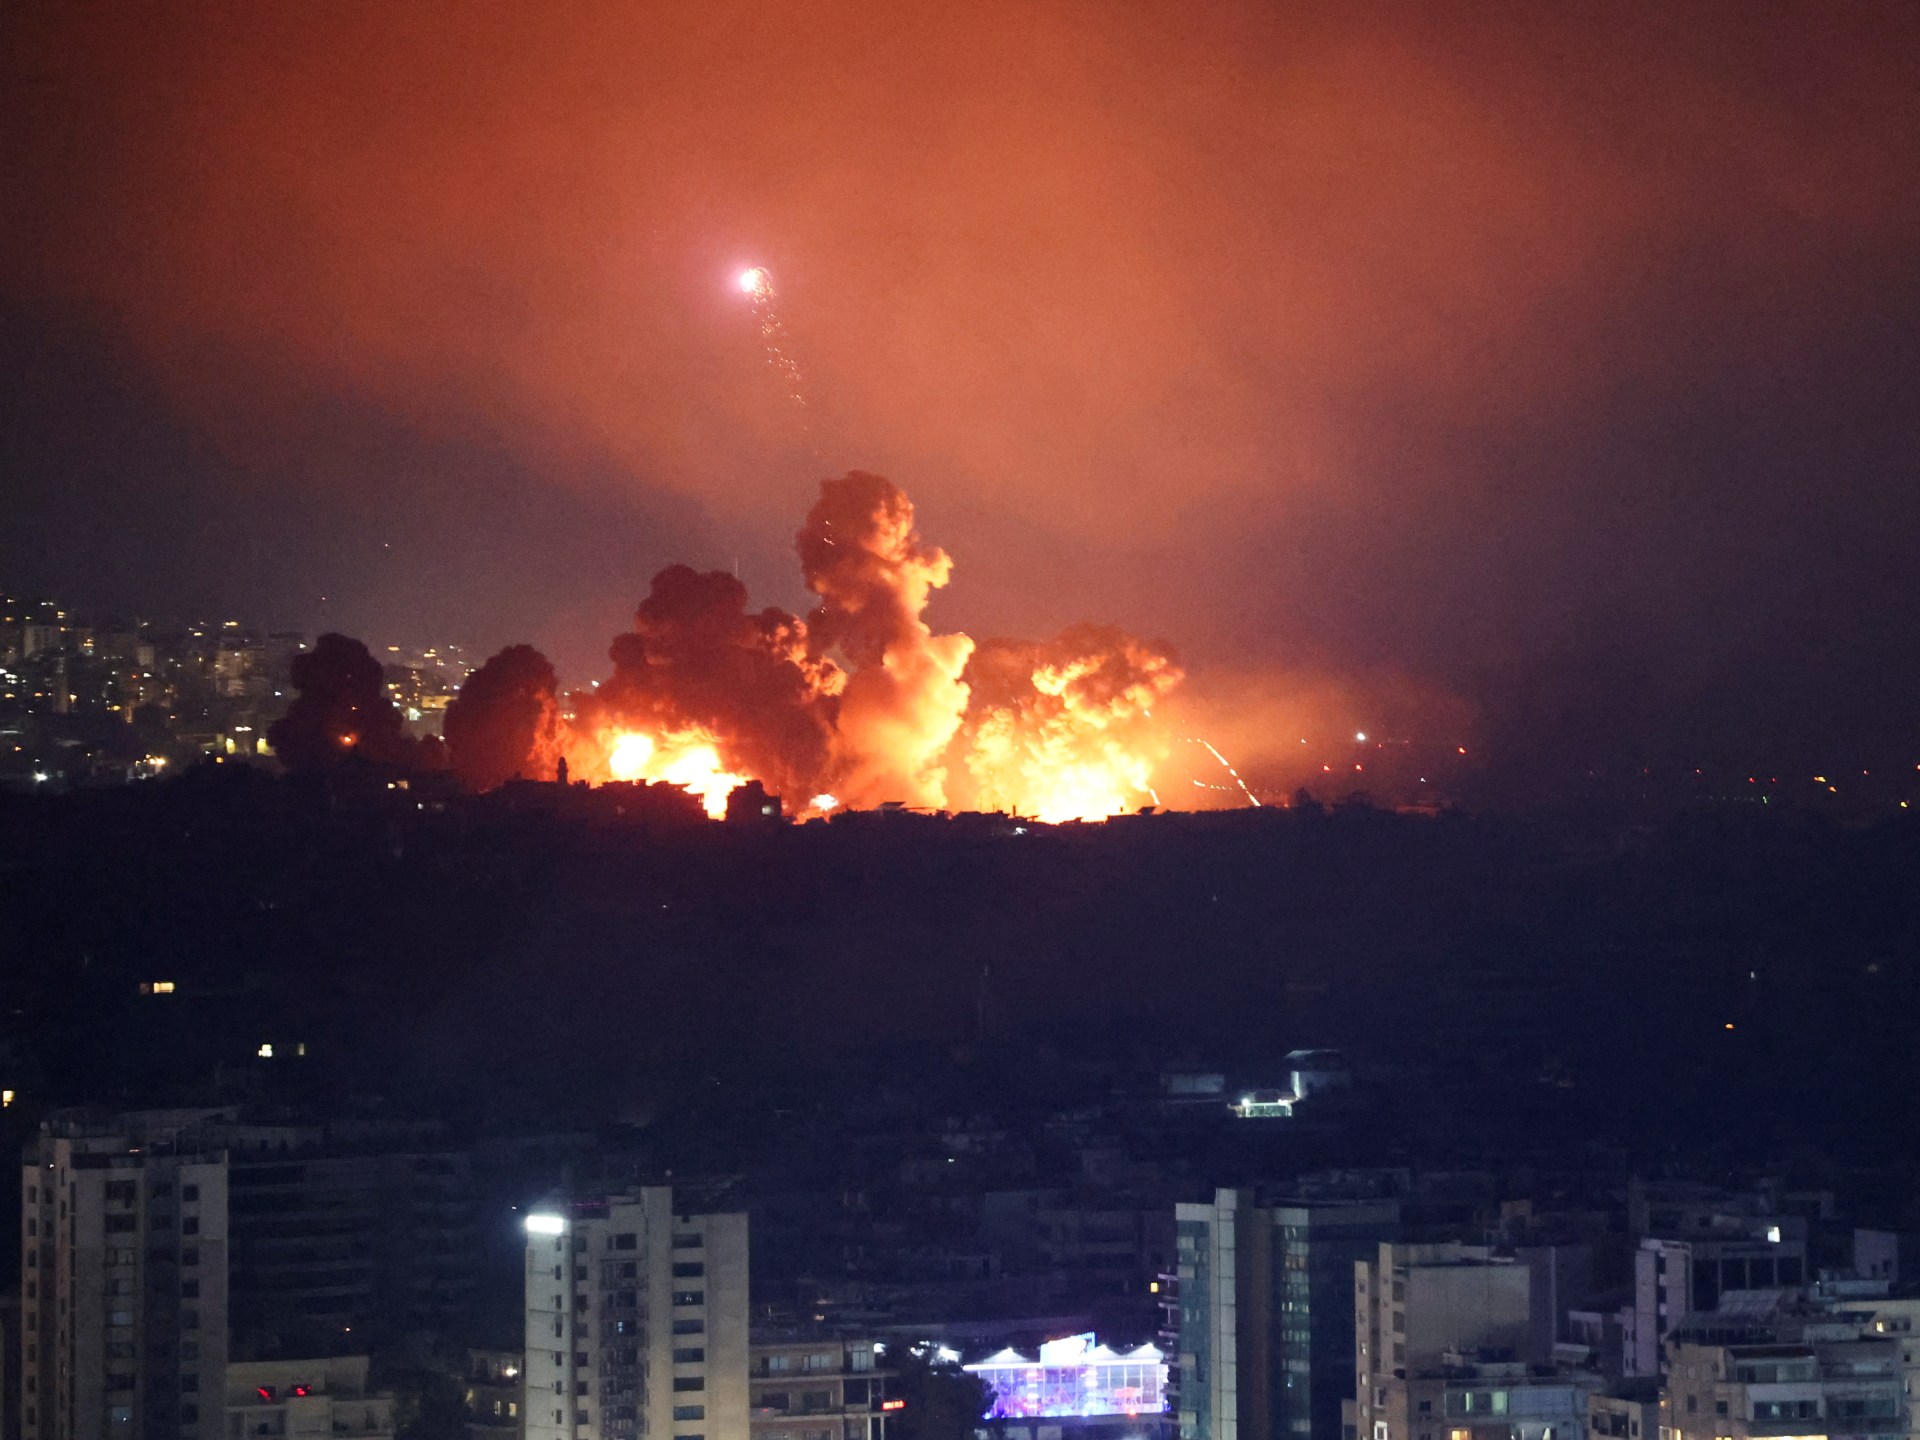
pixel 861 700
pixel 904 697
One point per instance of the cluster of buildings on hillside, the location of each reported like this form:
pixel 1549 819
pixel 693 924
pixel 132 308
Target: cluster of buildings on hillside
pixel 196 1274
pixel 85 702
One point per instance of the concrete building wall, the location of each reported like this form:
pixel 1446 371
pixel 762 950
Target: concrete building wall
pixel 311 1398
pixel 1452 1306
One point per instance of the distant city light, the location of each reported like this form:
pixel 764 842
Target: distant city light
pixel 544 1224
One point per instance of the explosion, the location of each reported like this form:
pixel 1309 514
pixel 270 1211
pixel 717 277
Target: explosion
pixel 859 704
pixel 689 759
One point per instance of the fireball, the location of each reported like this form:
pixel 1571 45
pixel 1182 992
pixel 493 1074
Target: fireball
pixel 689 759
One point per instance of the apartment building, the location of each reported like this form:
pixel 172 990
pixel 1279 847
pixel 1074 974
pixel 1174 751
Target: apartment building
pixel 1752 1374
pixel 1465 1397
pixel 1897 1318
pixel 494 1394
pixel 123 1285
pixel 636 1321
pixel 816 1388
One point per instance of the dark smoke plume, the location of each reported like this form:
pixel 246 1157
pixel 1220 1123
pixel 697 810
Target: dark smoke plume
pixel 506 720
pixel 697 657
pixel 342 712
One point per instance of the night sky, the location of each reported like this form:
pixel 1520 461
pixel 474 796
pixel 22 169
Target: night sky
pixel 1552 365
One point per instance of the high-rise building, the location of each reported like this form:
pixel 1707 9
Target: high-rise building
pixel 338 1248
pixel 1265 1315
pixel 636 1321
pixel 123 1287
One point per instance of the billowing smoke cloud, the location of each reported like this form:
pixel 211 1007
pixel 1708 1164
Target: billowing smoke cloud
pixel 904 696
pixel 1064 727
pixel 506 720
pixel 341 713
pixel 860 701
pixel 696 660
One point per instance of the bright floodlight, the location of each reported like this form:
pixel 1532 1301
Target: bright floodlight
pixel 755 281
pixel 546 1225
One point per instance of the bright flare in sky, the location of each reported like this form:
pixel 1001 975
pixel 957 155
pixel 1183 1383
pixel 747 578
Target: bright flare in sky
pixel 755 281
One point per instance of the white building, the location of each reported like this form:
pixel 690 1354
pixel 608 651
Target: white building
pixel 123 1287
pixel 636 1321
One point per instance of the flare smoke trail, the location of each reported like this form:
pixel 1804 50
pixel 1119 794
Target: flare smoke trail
pixel 756 283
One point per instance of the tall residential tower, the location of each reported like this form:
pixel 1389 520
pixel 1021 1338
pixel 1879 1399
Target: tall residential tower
pixel 636 1321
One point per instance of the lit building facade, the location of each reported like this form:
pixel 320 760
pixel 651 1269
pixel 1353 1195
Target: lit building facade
pixel 1076 1376
pixel 636 1322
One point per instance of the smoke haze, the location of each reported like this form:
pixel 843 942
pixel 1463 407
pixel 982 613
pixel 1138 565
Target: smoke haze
pixel 1559 360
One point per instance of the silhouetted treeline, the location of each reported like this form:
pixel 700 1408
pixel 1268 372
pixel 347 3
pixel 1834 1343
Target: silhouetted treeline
pixel 575 955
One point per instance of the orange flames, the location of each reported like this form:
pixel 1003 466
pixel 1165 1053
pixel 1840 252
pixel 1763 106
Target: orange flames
pixel 689 759
pixel 1065 730
pixel 858 704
